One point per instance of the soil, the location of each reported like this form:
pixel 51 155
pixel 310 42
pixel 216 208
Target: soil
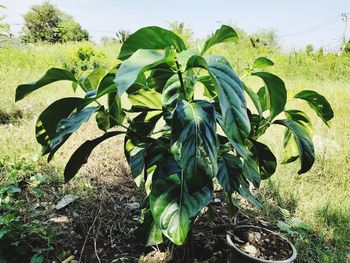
pixel 262 244
pixel 100 227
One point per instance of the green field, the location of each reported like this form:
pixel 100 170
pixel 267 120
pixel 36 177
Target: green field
pixel 318 201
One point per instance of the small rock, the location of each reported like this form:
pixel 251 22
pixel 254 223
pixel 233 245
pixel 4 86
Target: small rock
pixel 250 249
pixel 66 200
pixel 134 205
pixel 59 219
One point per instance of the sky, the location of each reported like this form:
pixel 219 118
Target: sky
pixel 298 22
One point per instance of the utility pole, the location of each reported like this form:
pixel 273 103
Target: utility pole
pixel 345 19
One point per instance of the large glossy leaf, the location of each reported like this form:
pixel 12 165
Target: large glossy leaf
pixel 144 123
pixel 223 34
pixel 102 119
pixel 146 99
pixel 148 232
pixel 251 171
pixel 48 120
pixel 233 106
pixel 254 97
pixel 52 75
pixel 263 98
pixel 318 103
pixel 116 113
pixel 261 63
pixel 135 154
pixel 301 118
pixel 304 142
pixel 265 158
pixel 170 93
pixel 194 141
pixel 171 202
pixel 142 60
pixel 69 125
pixel 230 169
pixel 276 92
pixel 93 80
pixel 81 155
pixel 151 37
pixel 290 148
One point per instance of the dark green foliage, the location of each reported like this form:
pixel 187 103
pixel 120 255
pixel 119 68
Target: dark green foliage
pixel 176 143
pixel 46 23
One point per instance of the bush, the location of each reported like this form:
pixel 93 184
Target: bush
pixel 84 59
pixel 177 141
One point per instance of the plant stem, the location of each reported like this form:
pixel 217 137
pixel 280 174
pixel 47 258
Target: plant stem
pixel 179 73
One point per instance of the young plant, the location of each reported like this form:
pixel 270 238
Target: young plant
pixel 178 140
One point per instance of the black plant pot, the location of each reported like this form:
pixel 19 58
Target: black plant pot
pixel 239 256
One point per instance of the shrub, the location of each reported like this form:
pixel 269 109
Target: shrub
pixel 84 59
pixel 177 141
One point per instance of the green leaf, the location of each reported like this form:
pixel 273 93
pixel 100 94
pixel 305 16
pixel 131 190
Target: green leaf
pixel 93 80
pixel 251 171
pixel 142 60
pixel 223 34
pixel 52 75
pixel 235 121
pixel 244 191
pixel 230 169
pixel 102 119
pixel 48 120
pixel 254 97
pixel 67 126
pixel 145 122
pixel 209 90
pixel 148 232
pixel 318 103
pixel 290 148
pixel 301 118
pixel 304 142
pixel 194 140
pixel 264 100
pixel 261 63
pixel 276 92
pixel 37 258
pixel 173 204
pixel 171 93
pixel 265 158
pixel 116 113
pixel 148 99
pixel 135 155
pixel 151 37
pixel 81 155
pixel 3 232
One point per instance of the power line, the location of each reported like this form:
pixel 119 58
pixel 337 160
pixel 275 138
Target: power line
pixel 319 26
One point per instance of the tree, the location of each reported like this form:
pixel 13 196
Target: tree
pixel 49 24
pixel 346 49
pixel 5 29
pixel 265 38
pixel 309 49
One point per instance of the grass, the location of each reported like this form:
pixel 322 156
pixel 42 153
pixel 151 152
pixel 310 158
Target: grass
pixel 319 199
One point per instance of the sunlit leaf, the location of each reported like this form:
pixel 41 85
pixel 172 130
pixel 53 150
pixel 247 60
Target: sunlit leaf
pixel 318 103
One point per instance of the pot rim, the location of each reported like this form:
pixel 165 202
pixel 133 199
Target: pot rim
pixel 288 260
